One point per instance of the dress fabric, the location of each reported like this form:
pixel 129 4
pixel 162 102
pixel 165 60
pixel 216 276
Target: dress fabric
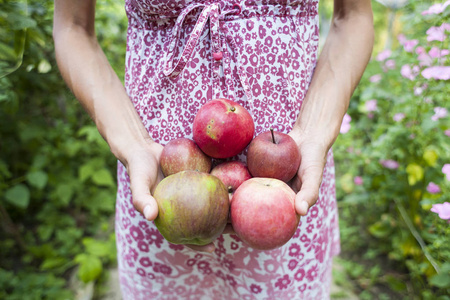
pixel 261 54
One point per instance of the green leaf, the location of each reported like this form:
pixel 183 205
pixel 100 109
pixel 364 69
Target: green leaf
pixel 415 173
pixel 430 156
pixel 44 66
pixel 64 193
pixel 90 267
pixel 86 171
pixel 37 179
pixel 52 263
pixel 103 177
pixel 441 280
pixel 45 232
pixel 18 195
pixel 97 248
pixel 380 229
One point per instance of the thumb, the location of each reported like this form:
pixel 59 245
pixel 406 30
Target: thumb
pixel 143 201
pixel 310 178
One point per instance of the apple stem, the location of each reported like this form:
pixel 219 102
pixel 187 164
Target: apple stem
pixel 273 136
pixel 232 108
pixel 230 189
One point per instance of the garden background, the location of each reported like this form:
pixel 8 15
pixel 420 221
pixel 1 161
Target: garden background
pixel 57 176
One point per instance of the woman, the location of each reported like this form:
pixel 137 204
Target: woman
pixel 182 53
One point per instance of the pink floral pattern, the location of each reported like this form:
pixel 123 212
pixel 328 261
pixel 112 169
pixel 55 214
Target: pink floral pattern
pixel 261 54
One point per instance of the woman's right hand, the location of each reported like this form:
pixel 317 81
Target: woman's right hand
pixel 143 167
pixel 142 164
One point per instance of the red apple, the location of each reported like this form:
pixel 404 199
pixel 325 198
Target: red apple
pixel 223 128
pixel 232 174
pixel 183 154
pixel 273 154
pixel 263 213
pixel 193 208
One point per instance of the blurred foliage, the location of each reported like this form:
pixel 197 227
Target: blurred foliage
pixel 57 186
pixel 57 189
pixel 385 215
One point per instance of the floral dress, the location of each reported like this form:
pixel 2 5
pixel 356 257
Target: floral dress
pixel 261 54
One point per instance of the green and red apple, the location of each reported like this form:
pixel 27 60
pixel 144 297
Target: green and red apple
pixel 193 208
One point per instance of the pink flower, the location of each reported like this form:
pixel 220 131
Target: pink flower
pixel 433 188
pixel 435 52
pixel 447 132
pixel 436 9
pixel 424 59
pixel 401 38
pixel 446 171
pixel 375 78
pixel 436 33
pixel 371 105
pixel 345 126
pixel 390 64
pixel 437 72
pixel 383 55
pixel 439 113
pixel 358 180
pixel 420 50
pixel 409 45
pixel 408 72
pixel 389 164
pixel 418 90
pixel 398 117
pixel 443 210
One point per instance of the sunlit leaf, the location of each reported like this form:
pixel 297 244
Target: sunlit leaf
pixel 103 177
pixel 430 156
pixel 44 66
pixel 18 195
pixel 90 267
pixel 37 179
pixel 415 173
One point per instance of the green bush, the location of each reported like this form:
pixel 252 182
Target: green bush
pixel 57 176
pixel 390 163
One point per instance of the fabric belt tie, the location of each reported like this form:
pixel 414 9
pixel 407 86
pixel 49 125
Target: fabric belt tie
pixel 220 53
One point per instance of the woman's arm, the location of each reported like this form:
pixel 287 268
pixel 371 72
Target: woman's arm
pixel 341 64
pixel 91 78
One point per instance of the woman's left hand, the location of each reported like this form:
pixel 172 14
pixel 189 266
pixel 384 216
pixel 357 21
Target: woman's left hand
pixel 306 183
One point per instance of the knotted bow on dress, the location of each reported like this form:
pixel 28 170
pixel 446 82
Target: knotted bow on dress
pixel 219 33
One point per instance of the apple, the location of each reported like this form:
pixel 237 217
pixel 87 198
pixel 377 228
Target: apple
pixel 232 174
pixel 273 154
pixel 183 154
pixel 193 208
pixel 263 213
pixel 223 128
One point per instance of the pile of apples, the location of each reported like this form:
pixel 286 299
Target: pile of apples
pixel 195 203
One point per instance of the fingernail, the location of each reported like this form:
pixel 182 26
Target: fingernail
pixel 304 206
pixel 147 212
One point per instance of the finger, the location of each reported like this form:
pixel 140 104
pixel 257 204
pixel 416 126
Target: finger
pixel 143 201
pixel 309 191
pixel 206 248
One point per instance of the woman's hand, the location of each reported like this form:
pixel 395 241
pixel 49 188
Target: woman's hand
pixel 309 176
pixel 340 66
pixel 142 164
